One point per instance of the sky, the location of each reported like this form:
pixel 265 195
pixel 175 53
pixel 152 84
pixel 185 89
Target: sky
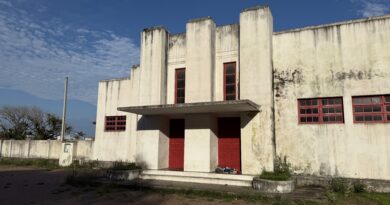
pixel 42 41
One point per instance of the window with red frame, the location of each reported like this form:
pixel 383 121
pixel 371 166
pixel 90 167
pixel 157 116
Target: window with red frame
pixel 321 110
pixel 229 81
pixel 115 123
pixel 371 109
pixel 180 83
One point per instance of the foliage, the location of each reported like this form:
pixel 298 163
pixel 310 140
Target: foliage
pixel 79 135
pixel 359 187
pixel 339 185
pixel 18 122
pixel 42 163
pixel 119 165
pixel 281 170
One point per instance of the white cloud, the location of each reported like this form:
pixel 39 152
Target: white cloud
pixel 369 8
pixel 36 56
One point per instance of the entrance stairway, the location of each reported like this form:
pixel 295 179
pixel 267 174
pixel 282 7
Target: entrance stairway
pixel 198 177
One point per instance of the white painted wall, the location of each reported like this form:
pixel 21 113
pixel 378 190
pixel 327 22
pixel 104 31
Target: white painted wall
pixel 256 84
pixel 200 143
pixel 116 145
pixel 226 50
pixel 200 59
pixel 48 149
pixel 176 59
pixel 347 59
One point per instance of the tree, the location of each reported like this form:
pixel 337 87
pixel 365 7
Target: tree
pixel 14 122
pixel 79 135
pixel 17 122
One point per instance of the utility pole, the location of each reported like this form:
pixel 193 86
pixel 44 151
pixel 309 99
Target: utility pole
pixel 63 128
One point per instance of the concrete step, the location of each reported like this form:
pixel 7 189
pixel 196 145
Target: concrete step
pixel 198 177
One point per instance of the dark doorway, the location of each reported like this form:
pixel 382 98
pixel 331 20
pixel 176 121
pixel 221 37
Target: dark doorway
pixel 229 145
pixel 176 144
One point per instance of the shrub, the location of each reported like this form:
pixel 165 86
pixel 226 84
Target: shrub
pixel 359 187
pixel 281 170
pixel 339 185
pixel 119 165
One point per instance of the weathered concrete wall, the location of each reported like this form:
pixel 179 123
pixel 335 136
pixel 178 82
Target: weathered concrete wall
pixel 347 59
pixel 115 146
pixel 153 77
pixel 200 143
pixel 176 59
pixel 84 149
pixel 48 149
pixel 200 60
pixel 226 50
pixel 256 84
pixel 152 142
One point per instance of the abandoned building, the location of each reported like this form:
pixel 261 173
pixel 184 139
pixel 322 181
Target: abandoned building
pixel 240 95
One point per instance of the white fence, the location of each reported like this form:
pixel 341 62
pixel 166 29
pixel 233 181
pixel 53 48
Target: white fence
pixel 48 149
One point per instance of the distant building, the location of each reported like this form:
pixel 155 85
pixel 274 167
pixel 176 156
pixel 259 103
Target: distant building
pixel 239 95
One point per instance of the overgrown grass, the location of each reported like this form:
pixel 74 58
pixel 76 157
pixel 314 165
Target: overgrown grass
pixel 119 165
pixel 41 163
pixel 281 171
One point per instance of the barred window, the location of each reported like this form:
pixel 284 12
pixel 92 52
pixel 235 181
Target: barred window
pixel 115 123
pixel 321 110
pixel 229 81
pixel 180 80
pixel 371 109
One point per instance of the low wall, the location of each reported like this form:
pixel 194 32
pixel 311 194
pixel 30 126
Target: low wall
pixel 48 149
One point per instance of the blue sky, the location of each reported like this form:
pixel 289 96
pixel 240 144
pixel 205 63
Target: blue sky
pixel 42 41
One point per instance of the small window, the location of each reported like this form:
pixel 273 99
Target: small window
pixel 115 123
pixel 371 109
pixel 180 84
pixel 321 110
pixel 229 81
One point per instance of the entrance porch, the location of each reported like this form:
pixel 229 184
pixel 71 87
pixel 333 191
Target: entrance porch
pixel 192 137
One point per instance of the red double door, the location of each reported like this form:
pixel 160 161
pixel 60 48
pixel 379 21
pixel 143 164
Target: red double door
pixel 229 146
pixel 176 144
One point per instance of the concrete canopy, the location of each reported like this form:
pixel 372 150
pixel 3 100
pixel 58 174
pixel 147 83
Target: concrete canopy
pixel 188 108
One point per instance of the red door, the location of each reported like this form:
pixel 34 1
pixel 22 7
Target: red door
pixel 176 144
pixel 229 148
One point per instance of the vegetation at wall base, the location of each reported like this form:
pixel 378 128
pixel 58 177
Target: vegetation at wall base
pixel 119 165
pixel 36 162
pixel 281 170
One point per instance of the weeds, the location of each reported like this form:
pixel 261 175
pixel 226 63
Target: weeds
pixel 281 171
pixel 119 165
pixel 42 163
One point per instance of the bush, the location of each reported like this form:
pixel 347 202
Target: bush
pixel 281 171
pixel 339 185
pixel 359 187
pixel 119 165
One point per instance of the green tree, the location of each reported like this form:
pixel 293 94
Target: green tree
pixel 14 122
pixel 17 122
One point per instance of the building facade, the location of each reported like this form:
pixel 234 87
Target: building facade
pixel 240 95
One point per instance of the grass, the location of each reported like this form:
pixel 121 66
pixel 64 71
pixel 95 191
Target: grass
pixel 119 165
pixel 41 163
pixel 361 198
pixel 275 176
pixel 53 164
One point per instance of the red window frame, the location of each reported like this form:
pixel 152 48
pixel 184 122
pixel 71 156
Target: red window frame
pixel 224 81
pixel 363 107
pixel 115 123
pixel 177 71
pixel 327 110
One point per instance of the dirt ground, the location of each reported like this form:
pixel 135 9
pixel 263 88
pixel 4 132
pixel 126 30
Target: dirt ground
pixel 38 186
